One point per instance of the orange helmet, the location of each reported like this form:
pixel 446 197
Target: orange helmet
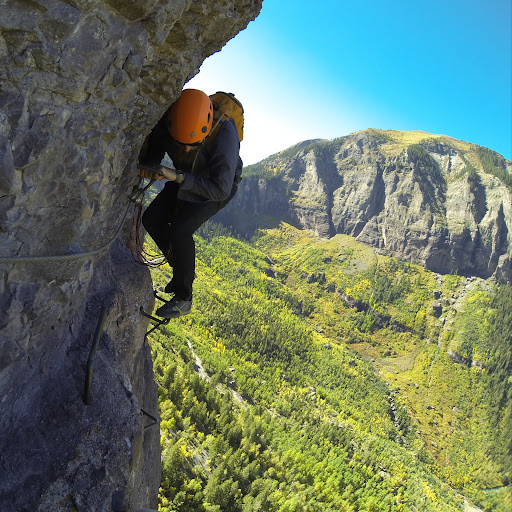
pixel 190 117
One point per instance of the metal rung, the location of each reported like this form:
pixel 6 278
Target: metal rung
pixel 155 420
pixel 159 321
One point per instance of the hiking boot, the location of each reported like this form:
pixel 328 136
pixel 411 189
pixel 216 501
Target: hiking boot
pixel 174 308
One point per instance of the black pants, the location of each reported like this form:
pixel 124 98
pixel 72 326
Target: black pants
pixel 171 223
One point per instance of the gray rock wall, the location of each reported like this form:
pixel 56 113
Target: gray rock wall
pixel 81 85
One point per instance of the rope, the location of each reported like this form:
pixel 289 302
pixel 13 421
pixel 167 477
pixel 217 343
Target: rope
pixel 136 239
pixel 65 257
pixel 136 243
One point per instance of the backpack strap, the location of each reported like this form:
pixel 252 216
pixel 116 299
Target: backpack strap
pixel 217 123
pixel 210 138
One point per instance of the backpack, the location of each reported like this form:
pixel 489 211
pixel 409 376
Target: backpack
pixel 225 107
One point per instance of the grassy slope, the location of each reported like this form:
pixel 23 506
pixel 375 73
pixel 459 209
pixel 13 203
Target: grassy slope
pixel 276 319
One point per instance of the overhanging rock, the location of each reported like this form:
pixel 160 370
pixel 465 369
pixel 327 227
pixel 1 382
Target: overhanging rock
pixel 82 85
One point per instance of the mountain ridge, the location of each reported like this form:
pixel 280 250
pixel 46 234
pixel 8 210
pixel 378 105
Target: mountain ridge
pixel 428 199
pixel 406 136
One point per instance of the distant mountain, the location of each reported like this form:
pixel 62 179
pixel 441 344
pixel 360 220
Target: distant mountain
pixel 428 199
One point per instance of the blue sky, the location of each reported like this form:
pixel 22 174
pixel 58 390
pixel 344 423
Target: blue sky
pixel 325 69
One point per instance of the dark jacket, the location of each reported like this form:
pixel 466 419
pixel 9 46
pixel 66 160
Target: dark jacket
pixel 210 170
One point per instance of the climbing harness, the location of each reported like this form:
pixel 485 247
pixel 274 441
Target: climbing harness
pixel 159 321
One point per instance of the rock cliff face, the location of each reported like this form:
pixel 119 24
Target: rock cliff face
pixel 428 199
pixel 82 83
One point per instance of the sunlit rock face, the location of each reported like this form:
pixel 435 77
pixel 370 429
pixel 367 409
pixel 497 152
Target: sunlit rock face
pixel 82 84
pixel 427 199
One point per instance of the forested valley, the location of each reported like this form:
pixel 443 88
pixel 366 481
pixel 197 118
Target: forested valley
pixel 316 375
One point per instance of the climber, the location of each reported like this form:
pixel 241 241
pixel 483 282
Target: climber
pixel 205 178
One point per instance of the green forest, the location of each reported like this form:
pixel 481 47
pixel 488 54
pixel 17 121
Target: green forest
pixel 316 375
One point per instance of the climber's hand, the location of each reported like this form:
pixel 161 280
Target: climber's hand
pixel 170 174
pixel 173 174
pixel 150 173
